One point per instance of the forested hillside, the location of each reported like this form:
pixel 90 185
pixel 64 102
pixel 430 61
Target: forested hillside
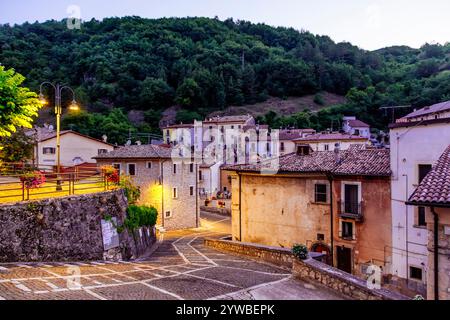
pixel 205 65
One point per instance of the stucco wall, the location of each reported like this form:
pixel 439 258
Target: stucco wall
pixel 61 229
pixel 72 146
pixel 279 211
pixel 373 235
pixel 409 148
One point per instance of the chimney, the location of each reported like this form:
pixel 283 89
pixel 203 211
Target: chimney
pixel 337 153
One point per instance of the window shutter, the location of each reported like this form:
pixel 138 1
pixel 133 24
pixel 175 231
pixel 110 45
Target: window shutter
pixel 340 229
pixel 354 231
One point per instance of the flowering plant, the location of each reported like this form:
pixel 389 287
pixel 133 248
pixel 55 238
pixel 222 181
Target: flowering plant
pixel 111 174
pixel 33 179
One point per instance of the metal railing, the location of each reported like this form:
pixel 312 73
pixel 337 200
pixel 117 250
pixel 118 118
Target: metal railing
pixel 75 181
pixel 352 210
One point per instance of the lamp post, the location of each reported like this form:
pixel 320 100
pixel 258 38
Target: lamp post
pixel 58 111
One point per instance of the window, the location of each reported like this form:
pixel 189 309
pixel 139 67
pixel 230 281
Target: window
pixel 191 167
pixel 191 191
pixel 49 150
pixel 423 171
pixel 320 237
pixel 415 273
pixel 102 151
pixel 200 175
pixel 351 199
pixel 268 146
pixel 421 217
pixel 347 230
pixel 282 146
pixel 175 193
pixel 326 147
pixel 131 169
pixel 357 133
pixel 320 193
pixel 149 165
pixel 168 214
pixel 232 127
pixel 174 168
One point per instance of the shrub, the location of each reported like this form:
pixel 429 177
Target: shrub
pixel 300 251
pixel 132 191
pixel 319 99
pixel 140 216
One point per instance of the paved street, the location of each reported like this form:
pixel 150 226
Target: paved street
pixel 180 268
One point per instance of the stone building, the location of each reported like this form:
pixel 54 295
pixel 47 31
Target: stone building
pixel 336 203
pixel 166 182
pixel 433 193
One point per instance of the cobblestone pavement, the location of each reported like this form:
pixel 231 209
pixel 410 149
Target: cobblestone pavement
pixel 180 268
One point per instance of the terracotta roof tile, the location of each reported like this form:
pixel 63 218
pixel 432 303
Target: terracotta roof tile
pixel 435 187
pixel 368 162
pixel 149 151
pixel 357 123
pixel 438 107
pixel 330 136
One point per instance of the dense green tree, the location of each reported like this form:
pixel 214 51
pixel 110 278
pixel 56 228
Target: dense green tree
pixel 18 105
pixel 206 64
pixel 16 148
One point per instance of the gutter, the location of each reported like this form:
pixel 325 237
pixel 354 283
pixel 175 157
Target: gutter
pixel 240 206
pixel 330 180
pixel 436 254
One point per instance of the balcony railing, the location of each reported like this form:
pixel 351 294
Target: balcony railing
pixel 351 210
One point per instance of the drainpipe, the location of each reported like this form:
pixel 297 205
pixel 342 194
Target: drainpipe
pixel 240 207
pixel 162 193
pixel 196 197
pixel 436 254
pixel 330 180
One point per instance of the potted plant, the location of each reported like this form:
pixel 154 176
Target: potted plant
pixel 300 251
pixel 33 179
pixel 111 174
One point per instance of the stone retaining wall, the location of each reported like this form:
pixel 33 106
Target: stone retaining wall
pixel 317 272
pixel 278 256
pixel 65 229
pixel 220 211
pixel 310 270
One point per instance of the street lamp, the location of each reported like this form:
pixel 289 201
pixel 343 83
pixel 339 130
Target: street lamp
pixel 58 111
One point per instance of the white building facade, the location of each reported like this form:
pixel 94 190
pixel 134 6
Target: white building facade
pixel 415 147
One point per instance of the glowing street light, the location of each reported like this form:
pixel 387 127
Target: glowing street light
pixel 58 111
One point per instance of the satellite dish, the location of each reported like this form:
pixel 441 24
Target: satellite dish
pixel 51 128
pixel 138 143
pixel 128 143
pixel 105 138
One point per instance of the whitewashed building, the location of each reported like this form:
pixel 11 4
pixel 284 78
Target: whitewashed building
pixel 76 148
pixel 417 142
pixel 353 126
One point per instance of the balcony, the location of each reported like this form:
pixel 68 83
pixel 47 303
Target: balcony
pixel 351 210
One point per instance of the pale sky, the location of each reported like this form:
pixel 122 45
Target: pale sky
pixel 369 24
